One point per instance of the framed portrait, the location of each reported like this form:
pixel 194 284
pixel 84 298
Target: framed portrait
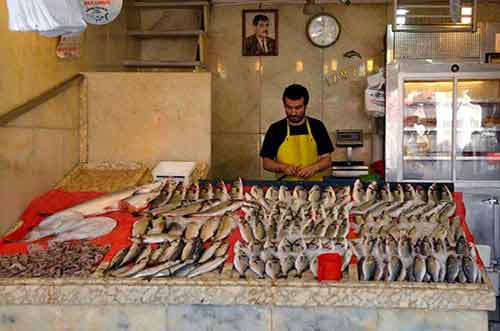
pixel 493 58
pixel 260 32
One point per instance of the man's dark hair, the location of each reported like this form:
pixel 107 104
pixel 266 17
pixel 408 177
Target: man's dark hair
pixel 295 92
pixel 258 18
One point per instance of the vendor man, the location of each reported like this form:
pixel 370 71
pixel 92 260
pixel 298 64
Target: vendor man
pixel 297 147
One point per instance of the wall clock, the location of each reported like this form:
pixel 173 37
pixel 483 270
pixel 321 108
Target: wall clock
pixel 323 30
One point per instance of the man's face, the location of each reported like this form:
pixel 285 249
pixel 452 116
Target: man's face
pixel 262 29
pixel 295 110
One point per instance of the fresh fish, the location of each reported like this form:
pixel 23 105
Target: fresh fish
pixel 259 231
pixel 272 194
pixel 419 268
pixel 319 228
pixel 193 194
pixel 132 253
pixel 172 252
pixel 186 208
pixel 207 192
pixel 157 253
pixel 462 248
pixel 314 194
pixel 368 267
pixel 272 230
pixel 145 254
pixel 210 252
pixel 209 229
pixel 301 263
pixel 221 192
pixel 207 267
pixel 391 246
pixel 183 269
pixel 328 196
pixel 347 259
pixel 165 194
pixel 380 271
pixel 405 247
pixel 241 263
pixel 192 230
pixel 286 262
pixel 178 195
pixel 192 250
pixel 54 224
pixel 343 229
pixel 452 268
pixel 313 266
pixel 433 267
pixel 138 266
pixel 220 209
pixel 272 268
pixel 257 192
pixel 222 250
pixel 332 230
pixel 118 258
pixel 154 270
pixel 158 225
pixel 371 191
pixel 308 228
pixel 141 226
pixel 299 193
pixel 257 266
pixel 470 269
pixel 225 227
pixel 394 268
pixel 237 190
pixel 284 246
pixel 158 238
pixel 89 228
pixel 268 251
pixel 137 202
pixel 175 229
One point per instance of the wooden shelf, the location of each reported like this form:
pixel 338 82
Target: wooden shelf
pixel 164 34
pixel 170 4
pixel 161 64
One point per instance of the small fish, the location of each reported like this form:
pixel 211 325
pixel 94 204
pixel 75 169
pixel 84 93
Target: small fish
pixel 183 269
pixel 158 225
pixel 207 192
pixel 314 194
pixel 221 192
pixel 207 267
pixel 193 194
pixel 154 270
pixel 319 228
pixel 225 227
pixel 132 253
pixel 257 266
pixel 220 209
pixel 343 229
pixel 175 229
pixel 470 269
pixel 313 266
pixel 157 253
pixel 308 228
pixel 192 250
pixel 419 268
pixel 145 254
pixel 210 252
pixel 257 192
pixel 272 194
pixel 118 258
pixel 141 226
pixel 209 228
pixel 237 192
pixel 222 250
pixel 192 230
pixel 301 264
pixel 172 252
pixel 245 231
pixel 286 262
pixel 395 268
pixel 433 268
pixel 241 263
pixel 259 231
pixel 347 259
pixel 284 246
pixel 452 268
pixel 368 267
pixel 158 238
pixel 140 265
pixel 272 268
pixel 462 248
pixel 272 230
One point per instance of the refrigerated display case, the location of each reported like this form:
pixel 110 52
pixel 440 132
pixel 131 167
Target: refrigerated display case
pixel 443 124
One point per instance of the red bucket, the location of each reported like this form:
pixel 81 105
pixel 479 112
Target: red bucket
pixel 329 266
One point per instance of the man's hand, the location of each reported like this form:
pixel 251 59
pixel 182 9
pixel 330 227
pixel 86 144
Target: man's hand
pixel 291 170
pixel 308 171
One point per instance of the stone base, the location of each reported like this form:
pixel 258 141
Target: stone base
pixel 233 317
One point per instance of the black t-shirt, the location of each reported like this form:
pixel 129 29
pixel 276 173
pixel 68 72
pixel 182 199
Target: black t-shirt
pixel 276 134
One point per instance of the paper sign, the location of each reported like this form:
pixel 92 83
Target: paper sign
pixel 68 46
pixel 100 12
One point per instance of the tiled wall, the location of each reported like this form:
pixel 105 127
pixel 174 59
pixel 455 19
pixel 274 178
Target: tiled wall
pixel 247 90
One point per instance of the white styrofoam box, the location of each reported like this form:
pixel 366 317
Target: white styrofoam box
pixel 180 171
pixel 485 254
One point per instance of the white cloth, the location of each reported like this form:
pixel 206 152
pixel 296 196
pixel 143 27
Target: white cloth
pixel 49 17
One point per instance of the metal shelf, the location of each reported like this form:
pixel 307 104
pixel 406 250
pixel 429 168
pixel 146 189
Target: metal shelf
pixel 427 158
pixel 163 64
pixel 164 34
pixel 479 129
pixel 477 158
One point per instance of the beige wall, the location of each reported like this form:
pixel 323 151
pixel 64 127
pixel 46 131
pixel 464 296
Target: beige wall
pixel 149 116
pixel 40 147
pixel 247 101
pixel 28 65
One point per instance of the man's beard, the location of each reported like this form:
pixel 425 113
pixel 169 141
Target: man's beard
pixel 295 119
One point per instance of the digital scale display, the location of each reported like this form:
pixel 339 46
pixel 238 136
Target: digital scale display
pixel 346 138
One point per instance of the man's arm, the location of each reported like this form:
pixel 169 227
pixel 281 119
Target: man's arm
pixel 278 167
pixel 324 162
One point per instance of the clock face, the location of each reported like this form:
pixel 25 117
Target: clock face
pixel 323 30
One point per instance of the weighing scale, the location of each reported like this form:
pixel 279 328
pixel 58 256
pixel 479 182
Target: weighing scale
pixel 349 139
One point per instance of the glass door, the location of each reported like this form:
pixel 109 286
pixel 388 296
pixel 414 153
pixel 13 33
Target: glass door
pixel 477 136
pixel 427 130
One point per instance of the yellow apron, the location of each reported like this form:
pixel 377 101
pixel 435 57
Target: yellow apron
pixel 299 150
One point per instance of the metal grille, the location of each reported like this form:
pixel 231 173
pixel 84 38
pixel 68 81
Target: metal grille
pixel 432 45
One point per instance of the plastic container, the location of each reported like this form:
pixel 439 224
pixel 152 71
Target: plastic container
pixel 178 170
pixel 329 266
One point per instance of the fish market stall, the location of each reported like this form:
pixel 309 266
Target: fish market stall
pixel 168 256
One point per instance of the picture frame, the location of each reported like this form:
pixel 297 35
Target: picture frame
pixel 492 58
pixel 260 32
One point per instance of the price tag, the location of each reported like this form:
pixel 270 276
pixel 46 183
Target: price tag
pixel 100 12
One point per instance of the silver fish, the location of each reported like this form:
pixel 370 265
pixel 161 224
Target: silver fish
pixel 257 266
pixel 245 231
pixel 237 190
pixel 157 253
pixel 225 227
pixel 220 209
pixel 175 229
pixel 301 263
pixel 394 268
pixel 462 248
pixel 140 265
pixel 207 192
pixel 419 268
pixel 452 268
pixel 368 267
pixel 209 228
pixel 207 267
pixel 132 253
pixel 141 226
pixel 210 252
pixel 158 238
pixel 222 250
pixel 154 270
pixel 240 263
pixel 259 231
pixel 433 268
pixel 272 194
pixel 183 269
pixel 257 192
pixel 192 230
pixel 192 250
pixel 118 258
pixel 313 266
pixel 221 192
pixel 286 262
pixel 470 269
pixel 346 259
pixel 172 252
pixel 272 268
